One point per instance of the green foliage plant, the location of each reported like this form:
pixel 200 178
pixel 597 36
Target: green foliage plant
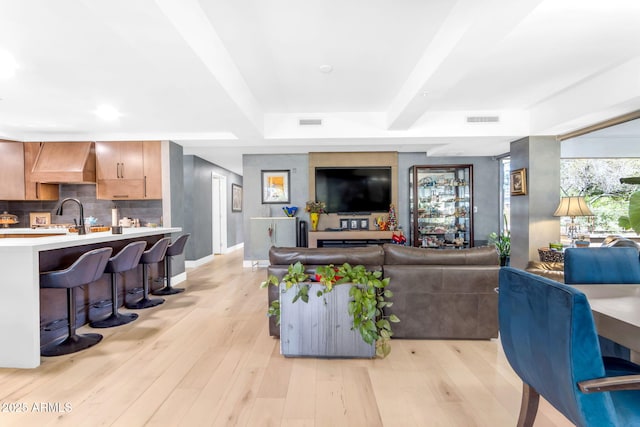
pixel 502 241
pixel 368 298
pixel 632 219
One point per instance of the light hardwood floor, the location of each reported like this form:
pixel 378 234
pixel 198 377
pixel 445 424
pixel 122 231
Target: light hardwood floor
pixel 205 358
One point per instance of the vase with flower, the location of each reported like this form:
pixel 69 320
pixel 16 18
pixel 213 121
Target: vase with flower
pixel 315 209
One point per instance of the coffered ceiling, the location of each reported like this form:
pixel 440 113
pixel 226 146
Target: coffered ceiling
pixel 226 77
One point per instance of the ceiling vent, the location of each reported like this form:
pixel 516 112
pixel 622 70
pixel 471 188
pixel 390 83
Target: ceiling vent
pixel 310 122
pixel 483 119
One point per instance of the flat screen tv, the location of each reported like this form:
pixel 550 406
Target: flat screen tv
pixel 354 190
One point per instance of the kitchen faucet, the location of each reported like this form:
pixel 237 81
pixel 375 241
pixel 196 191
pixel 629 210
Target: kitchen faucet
pixel 80 224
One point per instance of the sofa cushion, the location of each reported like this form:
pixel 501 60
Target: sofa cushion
pixel 406 255
pixel 368 256
pixel 444 302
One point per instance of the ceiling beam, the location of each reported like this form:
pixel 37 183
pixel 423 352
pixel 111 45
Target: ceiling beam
pixel 471 28
pixel 190 21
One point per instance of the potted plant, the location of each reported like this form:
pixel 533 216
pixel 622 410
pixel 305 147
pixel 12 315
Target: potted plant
pixel 502 242
pixel 315 209
pixel 361 303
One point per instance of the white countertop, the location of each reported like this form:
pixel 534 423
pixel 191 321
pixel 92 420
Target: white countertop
pixel 73 239
pixel 33 230
pixel 20 288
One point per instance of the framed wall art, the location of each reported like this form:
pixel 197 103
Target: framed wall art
pixel 518 182
pixel 39 219
pixel 275 186
pixel 236 198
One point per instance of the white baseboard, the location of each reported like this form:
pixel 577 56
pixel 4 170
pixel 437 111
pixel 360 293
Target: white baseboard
pixel 255 263
pixel 234 248
pixel 198 262
pixel 178 278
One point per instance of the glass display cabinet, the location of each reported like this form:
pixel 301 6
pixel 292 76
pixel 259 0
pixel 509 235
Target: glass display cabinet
pixel 441 206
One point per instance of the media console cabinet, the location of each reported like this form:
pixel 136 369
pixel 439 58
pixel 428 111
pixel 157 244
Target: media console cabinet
pixel 349 238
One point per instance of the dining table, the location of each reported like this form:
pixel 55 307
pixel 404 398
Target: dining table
pixel 616 313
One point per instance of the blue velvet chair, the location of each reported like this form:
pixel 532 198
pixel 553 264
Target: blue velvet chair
pixel 549 338
pixel 603 265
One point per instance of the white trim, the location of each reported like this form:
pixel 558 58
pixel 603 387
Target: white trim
pixel 235 248
pixel 178 278
pixel 255 263
pixel 198 262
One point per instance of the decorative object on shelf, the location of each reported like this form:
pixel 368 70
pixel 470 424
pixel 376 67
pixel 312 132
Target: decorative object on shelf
pixel 367 299
pixel 275 186
pixel 393 220
pixel 236 198
pixel 290 211
pixel 363 224
pixel 7 219
pixel 382 224
pixel 518 182
pixel 315 218
pixel 344 223
pixel 39 219
pixel 398 238
pixel 315 209
pixel 572 207
pixel 502 242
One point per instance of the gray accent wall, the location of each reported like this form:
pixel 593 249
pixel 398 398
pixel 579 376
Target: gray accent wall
pixel 532 222
pixel 198 174
pixel 176 185
pixel 486 191
pixel 252 165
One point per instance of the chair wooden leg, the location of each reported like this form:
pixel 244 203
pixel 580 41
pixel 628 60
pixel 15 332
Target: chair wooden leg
pixel 528 406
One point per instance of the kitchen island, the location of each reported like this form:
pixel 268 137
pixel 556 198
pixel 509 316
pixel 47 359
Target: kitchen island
pixel 21 261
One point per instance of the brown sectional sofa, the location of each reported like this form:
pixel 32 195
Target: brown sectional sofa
pixel 437 293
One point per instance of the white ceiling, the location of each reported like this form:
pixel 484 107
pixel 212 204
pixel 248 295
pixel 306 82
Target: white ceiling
pixel 226 77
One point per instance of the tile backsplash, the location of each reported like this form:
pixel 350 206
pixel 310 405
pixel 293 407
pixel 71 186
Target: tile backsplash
pixel 145 210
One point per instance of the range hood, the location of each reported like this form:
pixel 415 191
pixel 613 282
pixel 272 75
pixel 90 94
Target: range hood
pixel 65 163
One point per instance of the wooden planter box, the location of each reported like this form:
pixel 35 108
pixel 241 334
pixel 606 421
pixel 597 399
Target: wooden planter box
pixel 321 327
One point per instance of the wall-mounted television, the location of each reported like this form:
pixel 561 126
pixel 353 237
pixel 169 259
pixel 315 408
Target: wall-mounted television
pixel 354 190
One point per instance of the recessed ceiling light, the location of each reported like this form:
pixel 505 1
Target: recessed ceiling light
pixel 326 68
pixel 8 64
pixel 107 112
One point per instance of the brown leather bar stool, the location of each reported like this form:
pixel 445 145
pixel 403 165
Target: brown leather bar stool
pixel 127 259
pixel 86 269
pixel 151 256
pixel 174 249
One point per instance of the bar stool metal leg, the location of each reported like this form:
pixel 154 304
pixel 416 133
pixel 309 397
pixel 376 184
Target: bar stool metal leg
pixel 116 318
pixel 175 248
pixel 145 302
pixel 73 342
pixel 168 289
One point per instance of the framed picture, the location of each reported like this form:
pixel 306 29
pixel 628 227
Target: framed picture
pixel 236 198
pixel 39 219
pixel 344 223
pixel 518 182
pixel 364 224
pixel 354 224
pixel 275 186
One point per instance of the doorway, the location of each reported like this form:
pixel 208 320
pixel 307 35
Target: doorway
pixel 219 214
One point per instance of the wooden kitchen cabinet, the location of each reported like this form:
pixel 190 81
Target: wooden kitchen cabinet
pixel 12 171
pixel 125 170
pixel 152 169
pixel 36 190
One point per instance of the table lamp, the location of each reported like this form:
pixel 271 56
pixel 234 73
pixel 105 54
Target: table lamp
pixel 572 207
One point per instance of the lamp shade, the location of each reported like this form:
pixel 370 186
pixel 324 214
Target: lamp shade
pixel 573 206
